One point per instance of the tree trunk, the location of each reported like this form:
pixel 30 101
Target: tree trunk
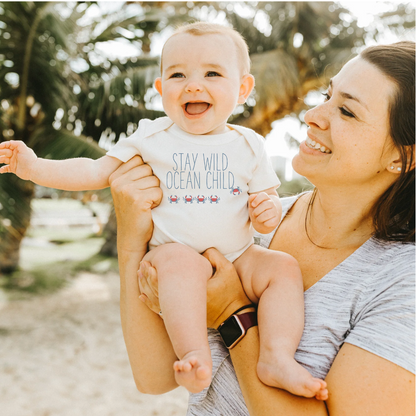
pixel 14 220
pixel 110 233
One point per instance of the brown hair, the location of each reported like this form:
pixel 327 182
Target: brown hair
pixel 203 28
pixel 394 212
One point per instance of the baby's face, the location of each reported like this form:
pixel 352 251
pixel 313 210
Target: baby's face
pixel 201 82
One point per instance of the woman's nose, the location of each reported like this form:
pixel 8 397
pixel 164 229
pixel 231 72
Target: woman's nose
pixel 318 116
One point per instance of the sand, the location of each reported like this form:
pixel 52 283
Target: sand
pixel 64 355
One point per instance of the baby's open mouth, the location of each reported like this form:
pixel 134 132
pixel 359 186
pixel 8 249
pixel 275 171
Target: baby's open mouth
pixel 196 108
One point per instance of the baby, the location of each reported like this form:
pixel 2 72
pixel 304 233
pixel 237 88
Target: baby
pixel 217 184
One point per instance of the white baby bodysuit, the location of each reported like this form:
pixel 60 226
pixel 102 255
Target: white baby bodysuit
pixel 205 181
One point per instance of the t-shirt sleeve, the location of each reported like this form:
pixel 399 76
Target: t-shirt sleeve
pixel 264 176
pixel 128 147
pixel 385 324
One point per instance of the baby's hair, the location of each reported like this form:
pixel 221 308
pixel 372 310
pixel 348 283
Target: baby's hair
pixel 203 28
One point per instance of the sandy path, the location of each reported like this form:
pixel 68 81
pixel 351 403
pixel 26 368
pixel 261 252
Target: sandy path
pixel 64 355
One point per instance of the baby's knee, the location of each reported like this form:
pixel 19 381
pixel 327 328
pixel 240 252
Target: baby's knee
pixel 175 255
pixel 275 264
pixel 287 260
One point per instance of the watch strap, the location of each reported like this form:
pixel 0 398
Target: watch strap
pixel 248 319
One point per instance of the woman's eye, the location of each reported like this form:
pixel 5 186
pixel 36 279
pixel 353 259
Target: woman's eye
pixel 346 112
pixel 326 96
pixel 177 75
pixel 213 74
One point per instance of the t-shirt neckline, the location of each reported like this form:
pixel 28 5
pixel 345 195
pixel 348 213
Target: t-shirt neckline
pixel 204 139
pixel 356 252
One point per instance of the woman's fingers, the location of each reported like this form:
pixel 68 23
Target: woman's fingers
pixel 125 167
pixel 217 260
pixel 143 298
pixel 225 293
pixel 132 172
pixel 133 184
pixel 149 274
pixel 147 277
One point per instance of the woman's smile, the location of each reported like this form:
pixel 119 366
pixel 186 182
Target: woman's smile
pixel 312 144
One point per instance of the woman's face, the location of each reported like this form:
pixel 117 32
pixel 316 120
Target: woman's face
pixel 348 141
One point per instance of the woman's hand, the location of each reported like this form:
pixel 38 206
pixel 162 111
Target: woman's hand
pixel 135 192
pixel 225 293
pixel 148 285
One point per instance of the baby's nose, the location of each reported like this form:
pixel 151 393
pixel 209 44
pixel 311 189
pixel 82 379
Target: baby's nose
pixel 194 86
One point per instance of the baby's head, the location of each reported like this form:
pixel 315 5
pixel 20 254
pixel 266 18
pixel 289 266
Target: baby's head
pixel 205 70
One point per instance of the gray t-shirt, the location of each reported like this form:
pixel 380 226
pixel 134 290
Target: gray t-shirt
pixel 368 300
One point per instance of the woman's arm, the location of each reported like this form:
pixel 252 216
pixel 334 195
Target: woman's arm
pixel 359 382
pixel 362 383
pixel 135 192
pixel 225 295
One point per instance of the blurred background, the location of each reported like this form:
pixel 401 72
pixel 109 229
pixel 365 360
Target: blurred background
pixel 75 77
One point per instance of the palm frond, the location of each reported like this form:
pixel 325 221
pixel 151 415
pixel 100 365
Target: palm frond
pixel 62 144
pixel 118 101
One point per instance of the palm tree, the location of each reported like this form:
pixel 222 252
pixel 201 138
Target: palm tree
pixel 58 109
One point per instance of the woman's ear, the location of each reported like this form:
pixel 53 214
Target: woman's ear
pixel 247 85
pixel 396 165
pixel 158 85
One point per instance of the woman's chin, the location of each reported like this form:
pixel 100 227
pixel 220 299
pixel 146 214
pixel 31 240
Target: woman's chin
pixel 300 166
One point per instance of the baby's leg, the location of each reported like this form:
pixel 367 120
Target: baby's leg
pixel 274 280
pixel 183 276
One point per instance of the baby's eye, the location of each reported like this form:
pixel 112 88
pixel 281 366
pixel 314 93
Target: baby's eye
pixel 177 75
pixel 213 74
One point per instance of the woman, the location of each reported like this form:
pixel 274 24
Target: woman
pixel 352 238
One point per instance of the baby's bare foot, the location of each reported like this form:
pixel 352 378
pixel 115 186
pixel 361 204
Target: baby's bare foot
pixel 289 375
pixel 194 370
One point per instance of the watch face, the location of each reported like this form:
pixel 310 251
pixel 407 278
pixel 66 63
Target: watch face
pixel 231 331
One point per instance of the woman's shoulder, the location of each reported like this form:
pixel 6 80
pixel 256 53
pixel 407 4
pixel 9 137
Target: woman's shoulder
pixel 392 258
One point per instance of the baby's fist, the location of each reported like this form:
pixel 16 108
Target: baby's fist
pixel 265 212
pixel 18 158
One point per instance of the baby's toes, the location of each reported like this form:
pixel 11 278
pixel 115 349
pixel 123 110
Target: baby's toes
pixel 313 385
pixel 322 383
pixel 177 366
pixel 322 395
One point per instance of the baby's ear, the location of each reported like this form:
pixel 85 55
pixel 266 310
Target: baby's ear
pixel 247 85
pixel 158 85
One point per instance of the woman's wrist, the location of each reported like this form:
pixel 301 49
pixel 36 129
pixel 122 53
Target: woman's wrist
pixel 233 308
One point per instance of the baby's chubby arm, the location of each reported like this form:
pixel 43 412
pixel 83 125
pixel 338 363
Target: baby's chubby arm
pixel 265 210
pixel 80 174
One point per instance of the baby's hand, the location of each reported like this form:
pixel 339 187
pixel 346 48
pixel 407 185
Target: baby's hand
pixel 264 211
pixel 18 158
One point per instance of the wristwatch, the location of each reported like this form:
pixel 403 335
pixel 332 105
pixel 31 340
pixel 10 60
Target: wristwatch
pixel 235 327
